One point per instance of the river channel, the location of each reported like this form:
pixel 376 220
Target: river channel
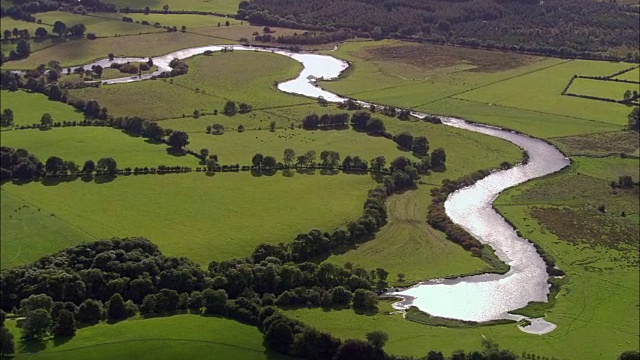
pixel 475 298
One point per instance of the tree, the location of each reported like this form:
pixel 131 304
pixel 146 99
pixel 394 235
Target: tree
pixel 178 139
pixel 204 153
pixel 54 165
pixel 289 156
pixel 365 300
pixel 272 126
pixel 46 121
pixel 354 349
pixel 404 140
pixel 256 160
pixel 88 167
pixel 278 337
pixel 6 119
pixel 36 325
pixel 23 49
pixel 375 127
pixel 7 34
pixel 65 324
pixel 378 163
pixel 60 28
pixel 77 30
pixel 230 108
pixel 214 300
pixel 7 345
pixel 107 165
pixel 115 308
pixel 438 158
pixel 629 355
pixel 634 119
pixel 90 311
pixel 359 119
pixel 628 95
pixel 420 146
pixel 268 162
pixel 41 33
pixel 377 338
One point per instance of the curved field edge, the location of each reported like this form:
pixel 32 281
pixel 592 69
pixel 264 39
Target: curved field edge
pixel 179 336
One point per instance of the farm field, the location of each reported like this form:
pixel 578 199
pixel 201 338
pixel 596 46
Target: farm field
pixel 223 216
pixel 178 336
pixel 28 108
pixel 80 52
pixel 633 75
pixel 9 24
pixel 606 143
pixel 92 143
pixel 100 24
pixel 190 21
pixel 210 83
pixel 219 6
pixel 604 89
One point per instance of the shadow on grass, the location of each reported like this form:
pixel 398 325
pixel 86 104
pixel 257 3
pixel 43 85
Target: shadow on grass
pixel 176 152
pixel 103 179
pixel 439 169
pixel 61 340
pixel 32 346
pixel 330 172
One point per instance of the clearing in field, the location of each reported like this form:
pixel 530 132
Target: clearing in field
pixel 28 108
pixel 201 217
pixel 179 336
pixel 92 143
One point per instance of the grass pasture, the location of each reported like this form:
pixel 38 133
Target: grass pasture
pixel 604 89
pixel 210 82
pixel 202 217
pixel 80 52
pixel 101 25
pixel 633 75
pixel 29 107
pixel 178 20
pixel 10 23
pixel 179 336
pixel 23 238
pixel 92 143
pixel 219 6
pixel 543 90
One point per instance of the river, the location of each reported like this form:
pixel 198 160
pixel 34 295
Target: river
pixel 474 298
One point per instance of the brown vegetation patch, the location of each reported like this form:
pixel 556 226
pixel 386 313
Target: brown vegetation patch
pixel 429 56
pixel 599 144
pixel 587 226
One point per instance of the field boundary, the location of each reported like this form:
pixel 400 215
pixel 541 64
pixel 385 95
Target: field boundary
pixel 635 100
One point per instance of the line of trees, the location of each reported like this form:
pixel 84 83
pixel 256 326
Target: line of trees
pixel 517 25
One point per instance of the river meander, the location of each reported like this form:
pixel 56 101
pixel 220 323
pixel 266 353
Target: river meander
pixel 475 298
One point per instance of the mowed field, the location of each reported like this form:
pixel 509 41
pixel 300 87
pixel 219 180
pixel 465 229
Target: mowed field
pixel 92 143
pixel 201 217
pixel 28 108
pixel 219 6
pixel 211 81
pixel 504 89
pixel 179 336
pixel 604 89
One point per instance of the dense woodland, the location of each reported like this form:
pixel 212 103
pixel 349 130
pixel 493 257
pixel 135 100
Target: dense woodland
pixel 560 27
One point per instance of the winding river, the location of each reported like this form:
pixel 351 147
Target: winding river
pixel 474 298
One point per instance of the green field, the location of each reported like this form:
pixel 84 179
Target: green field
pixel 543 90
pixel 179 336
pixel 80 52
pixel 219 6
pixel 190 21
pixel 99 24
pixel 202 217
pixel 9 24
pixel 29 107
pixel 211 81
pixel 604 89
pixel 633 75
pixel 92 143
pixel 28 231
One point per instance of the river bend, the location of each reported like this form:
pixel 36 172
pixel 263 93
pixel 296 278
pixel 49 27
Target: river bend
pixel 475 298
